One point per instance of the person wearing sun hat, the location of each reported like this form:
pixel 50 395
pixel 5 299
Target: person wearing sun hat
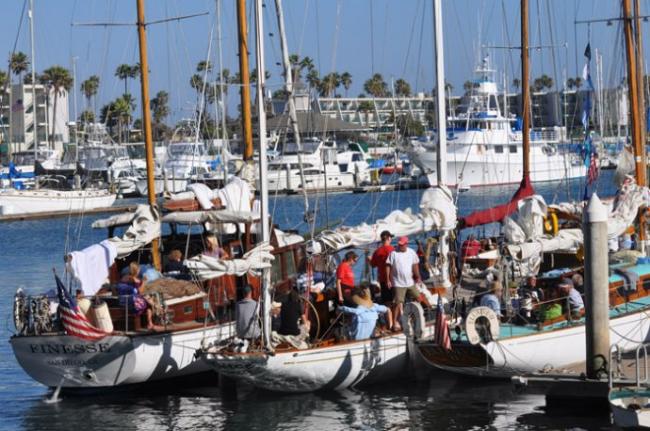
pixel 365 315
pixel 402 273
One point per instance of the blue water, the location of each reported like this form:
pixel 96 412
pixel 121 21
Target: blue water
pixel 30 249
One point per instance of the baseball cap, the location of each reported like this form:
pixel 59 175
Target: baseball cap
pixel 403 240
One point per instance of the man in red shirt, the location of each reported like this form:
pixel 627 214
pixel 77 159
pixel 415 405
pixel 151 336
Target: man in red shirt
pixel 345 279
pixel 378 260
pixel 470 248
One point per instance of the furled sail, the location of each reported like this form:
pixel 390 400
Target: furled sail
pixel 208 267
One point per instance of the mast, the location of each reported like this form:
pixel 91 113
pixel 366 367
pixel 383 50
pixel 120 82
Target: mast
pixel 632 83
pixel 264 192
pixel 146 119
pixel 525 89
pixel 293 117
pixel 31 38
pixel 244 76
pixel 224 132
pixel 639 79
pixel 441 159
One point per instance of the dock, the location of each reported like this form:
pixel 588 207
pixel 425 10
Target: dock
pixel 59 214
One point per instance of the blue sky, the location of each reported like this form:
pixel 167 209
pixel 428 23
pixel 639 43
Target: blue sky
pixel 391 37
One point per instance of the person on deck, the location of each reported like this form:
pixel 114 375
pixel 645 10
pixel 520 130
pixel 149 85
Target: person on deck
pixel 213 249
pixel 345 279
pixel 378 260
pixel 575 302
pixel 470 248
pixel 247 326
pixel 131 289
pixel 174 267
pixel 402 273
pixel 365 316
pixel 492 299
pixel 291 312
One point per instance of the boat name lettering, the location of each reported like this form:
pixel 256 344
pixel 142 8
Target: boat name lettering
pixel 69 349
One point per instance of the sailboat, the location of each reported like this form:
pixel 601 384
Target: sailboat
pixel 486 346
pixel 330 362
pixel 96 339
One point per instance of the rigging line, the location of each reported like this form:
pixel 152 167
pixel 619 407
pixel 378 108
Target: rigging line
pixel 419 61
pixel 553 57
pixel 508 54
pixel 372 40
pixel 317 32
pixel 408 46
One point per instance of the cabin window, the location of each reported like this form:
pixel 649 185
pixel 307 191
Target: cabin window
pixel 498 149
pixel 513 148
pixel 276 270
pixel 290 263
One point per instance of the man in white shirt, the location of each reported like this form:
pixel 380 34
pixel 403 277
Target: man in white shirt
pixel 402 274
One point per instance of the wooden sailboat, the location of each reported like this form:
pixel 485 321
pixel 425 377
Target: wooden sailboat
pixel 486 346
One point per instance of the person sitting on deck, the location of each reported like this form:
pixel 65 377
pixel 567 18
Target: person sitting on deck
pixel 492 298
pixel 345 279
pixel 213 249
pixel 575 302
pixel 365 316
pixel 291 312
pixel 470 248
pixel 130 289
pixel 174 267
pixel 247 325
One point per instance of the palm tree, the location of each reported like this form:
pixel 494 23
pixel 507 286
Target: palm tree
pixel 346 81
pixel 86 117
pixel 203 66
pixel 18 64
pixel 160 109
pixel 516 83
pixel 59 80
pixel 313 79
pixel 123 72
pixel 4 79
pixel 329 84
pixel 467 86
pixel 89 88
pixel 376 86
pixel 402 88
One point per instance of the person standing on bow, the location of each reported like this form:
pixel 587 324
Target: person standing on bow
pixel 402 274
pixel 378 260
pixel 345 279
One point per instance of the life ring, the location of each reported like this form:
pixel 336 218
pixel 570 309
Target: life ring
pixel 549 150
pixel 551 224
pixel 481 325
pixel 412 320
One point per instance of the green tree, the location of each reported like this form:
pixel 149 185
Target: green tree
pixel 329 84
pixel 376 86
pixel 203 66
pixel 408 126
pixel 160 111
pixel 59 80
pixel 346 81
pixel 86 117
pixel 126 72
pixel 117 114
pixel 516 83
pixel 4 79
pixel 402 88
pixel 313 79
pixel 18 64
pixel 89 88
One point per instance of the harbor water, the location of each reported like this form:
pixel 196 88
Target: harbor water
pixel 30 249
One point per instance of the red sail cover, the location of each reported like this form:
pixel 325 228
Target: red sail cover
pixel 500 212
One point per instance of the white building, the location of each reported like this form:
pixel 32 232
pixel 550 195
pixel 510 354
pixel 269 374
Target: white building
pixel 23 128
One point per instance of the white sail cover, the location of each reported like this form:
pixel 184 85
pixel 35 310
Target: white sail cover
pixel 527 243
pixel 207 267
pixel 437 211
pixel 145 227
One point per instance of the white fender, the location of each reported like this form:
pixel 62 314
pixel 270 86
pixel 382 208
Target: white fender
pixel 413 320
pixel 470 324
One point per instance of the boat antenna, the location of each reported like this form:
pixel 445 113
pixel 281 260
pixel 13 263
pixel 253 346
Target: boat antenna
pixel 264 192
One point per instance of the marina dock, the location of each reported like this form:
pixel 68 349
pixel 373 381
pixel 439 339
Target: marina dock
pixel 59 214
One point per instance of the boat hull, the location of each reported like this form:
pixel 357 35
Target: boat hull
pixel 335 367
pixel 630 408
pixel 114 360
pixel 36 201
pixel 537 352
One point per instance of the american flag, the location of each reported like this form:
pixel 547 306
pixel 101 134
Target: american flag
pixel 441 336
pixel 74 321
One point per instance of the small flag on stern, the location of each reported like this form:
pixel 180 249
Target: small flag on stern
pixel 74 321
pixel 441 336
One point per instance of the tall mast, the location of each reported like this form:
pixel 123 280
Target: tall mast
pixel 639 78
pixel 288 80
pixel 224 132
pixel 146 119
pixel 244 76
pixel 634 95
pixel 525 88
pixel 264 192
pixel 35 124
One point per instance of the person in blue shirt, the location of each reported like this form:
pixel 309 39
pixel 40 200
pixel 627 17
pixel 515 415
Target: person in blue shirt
pixel 365 316
pixel 492 299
